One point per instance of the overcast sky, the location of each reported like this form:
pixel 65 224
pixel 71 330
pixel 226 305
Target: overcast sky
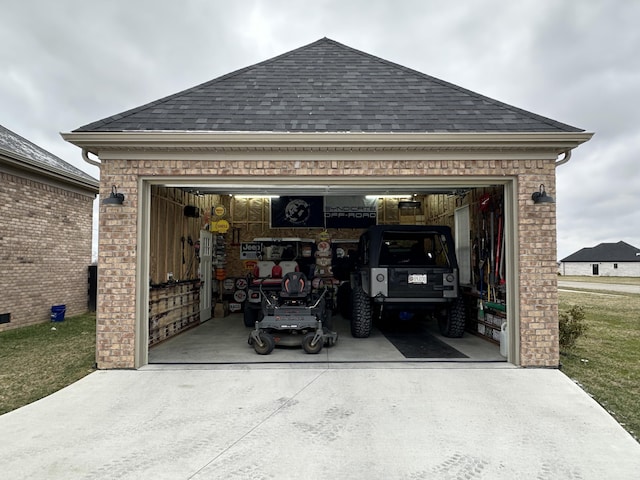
pixel 66 63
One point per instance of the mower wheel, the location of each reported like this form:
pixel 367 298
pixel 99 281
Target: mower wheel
pixel 265 345
pixel 309 346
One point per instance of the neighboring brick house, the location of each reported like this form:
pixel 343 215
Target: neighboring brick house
pixel 46 214
pixel 605 260
pixel 326 119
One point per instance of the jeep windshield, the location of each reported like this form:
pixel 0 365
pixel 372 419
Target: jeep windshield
pixel 413 248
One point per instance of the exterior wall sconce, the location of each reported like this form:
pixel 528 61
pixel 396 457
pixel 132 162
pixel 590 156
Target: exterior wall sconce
pixel 541 196
pixel 115 198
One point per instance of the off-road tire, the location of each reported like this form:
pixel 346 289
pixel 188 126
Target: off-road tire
pixel 453 322
pixel 361 316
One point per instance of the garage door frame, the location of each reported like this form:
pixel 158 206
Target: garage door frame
pixel 326 185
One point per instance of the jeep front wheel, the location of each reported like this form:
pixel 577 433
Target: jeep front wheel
pixel 452 323
pixel 361 315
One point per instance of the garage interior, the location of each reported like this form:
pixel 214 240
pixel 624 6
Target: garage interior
pixel 204 232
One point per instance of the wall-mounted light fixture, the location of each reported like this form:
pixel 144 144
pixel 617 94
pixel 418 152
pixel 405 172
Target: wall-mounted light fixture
pixel 541 196
pixel 115 198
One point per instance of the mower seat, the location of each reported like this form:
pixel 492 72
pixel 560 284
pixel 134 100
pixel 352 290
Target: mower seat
pixel 295 285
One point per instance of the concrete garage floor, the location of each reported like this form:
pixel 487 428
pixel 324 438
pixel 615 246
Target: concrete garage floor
pixel 224 341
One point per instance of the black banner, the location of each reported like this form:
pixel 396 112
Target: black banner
pixel 297 212
pixel 350 212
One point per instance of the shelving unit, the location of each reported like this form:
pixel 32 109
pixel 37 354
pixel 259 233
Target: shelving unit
pixel 487 326
pixel 173 308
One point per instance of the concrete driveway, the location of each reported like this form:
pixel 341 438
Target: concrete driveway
pixel 398 421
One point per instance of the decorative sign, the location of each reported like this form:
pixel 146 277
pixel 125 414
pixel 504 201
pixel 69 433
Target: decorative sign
pixel 249 265
pixel 219 210
pixel 350 212
pixel 228 284
pixel 250 250
pixel 297 212
pixel 221 226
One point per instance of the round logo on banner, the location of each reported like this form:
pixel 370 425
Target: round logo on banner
pixel 220 210
pixel 297 211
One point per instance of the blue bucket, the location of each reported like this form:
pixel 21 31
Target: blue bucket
pixel 57 313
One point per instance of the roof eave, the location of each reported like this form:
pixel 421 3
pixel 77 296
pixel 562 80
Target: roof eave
pixel 95 141
pixel 22 163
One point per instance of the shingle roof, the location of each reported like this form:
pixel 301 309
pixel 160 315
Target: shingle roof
pixel 606 252
pixel 327 87
pixel 28 154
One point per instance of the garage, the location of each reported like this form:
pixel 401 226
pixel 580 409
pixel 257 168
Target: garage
pixel 194 183
pixel 245 229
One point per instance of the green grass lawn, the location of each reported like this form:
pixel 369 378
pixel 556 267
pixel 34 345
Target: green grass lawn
pixel 38 360
pixel 606 360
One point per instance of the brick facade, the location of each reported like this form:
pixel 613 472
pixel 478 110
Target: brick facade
pixel 536 242
pixel 45 249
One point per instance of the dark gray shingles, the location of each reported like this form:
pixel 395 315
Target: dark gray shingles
pixel 327 86
pixel 22 150
pixel 606 252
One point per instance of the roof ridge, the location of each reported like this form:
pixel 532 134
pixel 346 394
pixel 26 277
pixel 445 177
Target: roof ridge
pixel 489 113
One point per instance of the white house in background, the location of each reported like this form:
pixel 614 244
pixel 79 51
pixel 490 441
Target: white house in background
pixel 604 260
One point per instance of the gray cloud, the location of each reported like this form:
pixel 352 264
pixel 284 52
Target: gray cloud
pixel 71 62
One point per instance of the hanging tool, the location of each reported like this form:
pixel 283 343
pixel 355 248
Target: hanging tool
pixel 502 279
pixel 496 274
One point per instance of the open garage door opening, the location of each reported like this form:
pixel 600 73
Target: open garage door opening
pixel 413 272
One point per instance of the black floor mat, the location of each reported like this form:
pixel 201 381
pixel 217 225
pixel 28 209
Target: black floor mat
pixel 414 341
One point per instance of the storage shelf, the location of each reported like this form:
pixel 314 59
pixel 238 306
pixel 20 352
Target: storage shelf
pixel 488 328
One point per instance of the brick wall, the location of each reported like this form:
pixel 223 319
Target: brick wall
pixel 45 250
pixel 539 331
pixel 536 236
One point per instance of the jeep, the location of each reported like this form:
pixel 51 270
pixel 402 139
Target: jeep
pixel 403 270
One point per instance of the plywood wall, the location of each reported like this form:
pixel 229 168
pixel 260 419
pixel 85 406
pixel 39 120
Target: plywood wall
pixel 174 235
pixel 173 253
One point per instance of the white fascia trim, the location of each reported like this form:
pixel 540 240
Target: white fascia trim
pixel 96 141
